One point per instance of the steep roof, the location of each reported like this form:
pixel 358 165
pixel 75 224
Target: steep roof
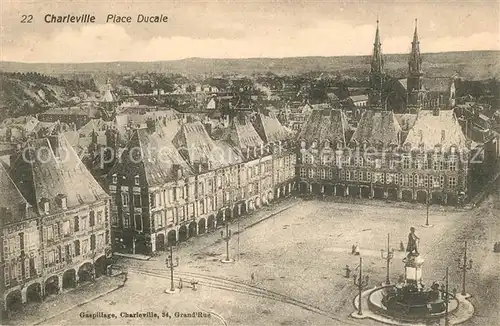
pixel 324 125
pixel 270 128
pixel 406 120
pixel 377 127
pixel 242 134
pixel 11 198
pixel 195 145
pixel 431 130
pixel 56 171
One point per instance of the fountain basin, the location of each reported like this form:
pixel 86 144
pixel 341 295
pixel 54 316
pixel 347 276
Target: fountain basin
pixel 417 312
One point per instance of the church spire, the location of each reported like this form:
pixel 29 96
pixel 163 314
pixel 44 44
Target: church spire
pixel 377 64
pixel 415 61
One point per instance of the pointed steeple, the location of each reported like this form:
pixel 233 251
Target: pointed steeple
pixel 415 61
pixel 377 63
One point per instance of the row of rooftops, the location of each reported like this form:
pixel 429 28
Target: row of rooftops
pixel 189 147
pixel 427 129
pixel 46 177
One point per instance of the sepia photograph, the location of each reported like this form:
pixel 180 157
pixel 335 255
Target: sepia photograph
pixel 250 162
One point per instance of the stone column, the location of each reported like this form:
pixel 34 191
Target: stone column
pixel 239 209
pixel 400 194
pixel 289 188
pixel 335 190
pixel 360 192
pixel 445 199
pixel 224 215
pixel 24 294
pixel 310 188
pixel 386 194
pixel 153 242
pixel 372 191
pixel 414 195
pixel 322 189
pixel 346 190
pixel 278 192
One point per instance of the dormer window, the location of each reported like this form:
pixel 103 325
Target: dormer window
pixel 327 144
pixel 45 206
pixel 115 179
pixel 136 180
pixel 62 200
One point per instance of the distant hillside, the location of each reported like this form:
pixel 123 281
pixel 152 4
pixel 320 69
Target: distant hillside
pixel 474 65
pixel 31 93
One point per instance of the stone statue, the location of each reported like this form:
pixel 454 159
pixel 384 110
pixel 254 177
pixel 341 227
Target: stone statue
pixel 411 247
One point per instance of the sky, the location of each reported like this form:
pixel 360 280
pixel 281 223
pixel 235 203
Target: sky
pixel 243 29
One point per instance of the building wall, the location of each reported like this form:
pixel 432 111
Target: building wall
pixel 199 203
pixel 443 175
pixel 47 248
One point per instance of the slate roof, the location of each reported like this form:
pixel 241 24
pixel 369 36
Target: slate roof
pixel 195 145
pixel 324 125
pixel 406 120
pixel 377 127
pixel 11 198
pixel 242 134
pixel 54 176
pixel 158 162
pixel 428 130
pixel 270 128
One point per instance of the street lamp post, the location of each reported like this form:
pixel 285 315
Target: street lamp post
pixel 389 255
pixel 360 283
pixel 170 264
pixel 428 202
pixel 226 238
pixel 447 299
pixel 464 265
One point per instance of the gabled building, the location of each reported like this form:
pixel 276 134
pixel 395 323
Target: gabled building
pixel 62 235
pixel 172 185
pixel 410 157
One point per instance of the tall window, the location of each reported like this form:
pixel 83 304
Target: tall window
pixel 303 172
pixel 66 228
pixel 91 219
pixel 137 200
pixel 126 220
pixel 92 242
pixel 77 247
pixel 138 221
pixel 452 182
pixel 125 198
pixel 84 223
pixel 76 223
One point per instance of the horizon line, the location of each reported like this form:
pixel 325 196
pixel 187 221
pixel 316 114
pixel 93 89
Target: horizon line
pixel 241 58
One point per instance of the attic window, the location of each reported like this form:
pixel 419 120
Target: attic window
pixel 115 179
pixel 64 202
pixel 136 180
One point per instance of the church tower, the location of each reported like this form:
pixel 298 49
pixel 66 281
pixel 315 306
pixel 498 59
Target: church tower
pixel 415 73
pixel 376 71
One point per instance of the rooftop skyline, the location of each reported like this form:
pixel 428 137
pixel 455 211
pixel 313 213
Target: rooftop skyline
pixel 244 29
